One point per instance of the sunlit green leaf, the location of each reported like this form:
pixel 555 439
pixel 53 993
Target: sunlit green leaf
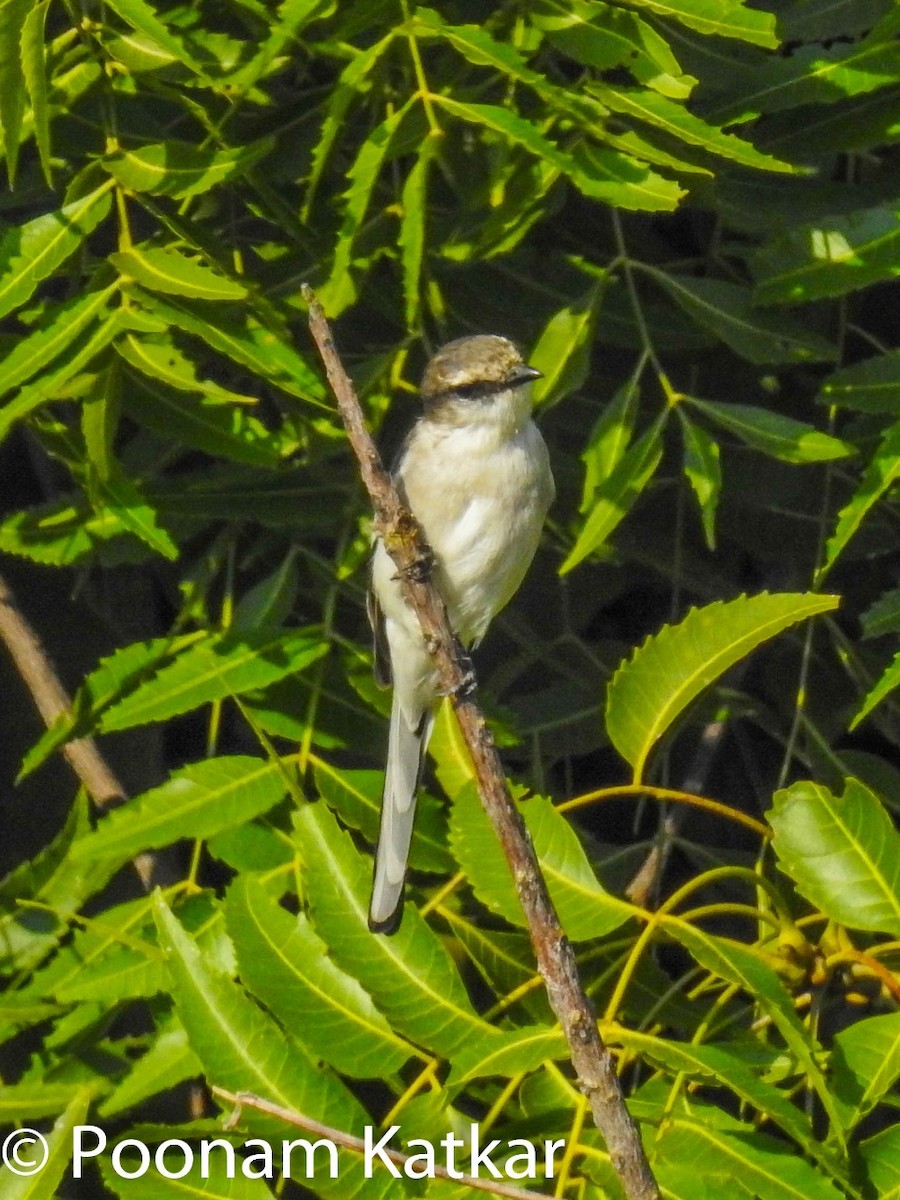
pixel 701 466
pixel 773 433
pixel 663 676
pixel 34 72
pixel 170 271
pixel 843 853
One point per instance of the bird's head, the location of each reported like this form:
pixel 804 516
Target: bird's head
pixel 475 368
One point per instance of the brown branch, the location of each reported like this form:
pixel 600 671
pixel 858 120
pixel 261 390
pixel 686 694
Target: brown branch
pixel 52 701
pixel 403 539
pixel 350 1142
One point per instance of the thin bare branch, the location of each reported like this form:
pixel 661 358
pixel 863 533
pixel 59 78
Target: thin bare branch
pixel 51 700
pixel 404 541
pixel 349 1142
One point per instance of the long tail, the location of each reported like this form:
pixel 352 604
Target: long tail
pixel 406 757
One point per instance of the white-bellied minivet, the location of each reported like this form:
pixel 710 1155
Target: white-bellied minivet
pixel 475 472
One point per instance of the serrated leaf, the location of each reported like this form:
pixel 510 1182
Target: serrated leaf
pixel 260 350
pixel 203 422
pixel 170 271
pixel 878 478
pixel 355 795
pixel 586 910
pixel 222 665
pixel 883 616
pixel 762 1165
pixel 242 1049
pixel 604 37
pixel 125 500
pixel 831 258
pixel 680 123
pixel 843 853
pixel 181 170
pixel 12 90
pixel 167 1061
pixel 726 309
pixel 100 420
pixel 410 975
pixel 34 73
pixel 86 346
pixel 773 433
pixel 43 1183
pixel 286 965
pixel 701 467
pixel 600 174
pixel 51 338
pixel 663 676
pixel 865 1065
pixel 562 352
pixel 33 251
pixel 142 17
pixel 412 228
pixel 196 802
pixel 718 18
pixel 608 440
pixel 871 386
pixel 617 493
pixel 739 965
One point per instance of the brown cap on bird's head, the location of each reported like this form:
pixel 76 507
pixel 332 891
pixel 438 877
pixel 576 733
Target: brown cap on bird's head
pixel 475 368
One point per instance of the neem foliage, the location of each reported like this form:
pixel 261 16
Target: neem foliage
pixel 686 213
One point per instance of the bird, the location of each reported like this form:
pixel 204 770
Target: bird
pixel 475 472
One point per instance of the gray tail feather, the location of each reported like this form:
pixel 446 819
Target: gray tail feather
pixel 405 761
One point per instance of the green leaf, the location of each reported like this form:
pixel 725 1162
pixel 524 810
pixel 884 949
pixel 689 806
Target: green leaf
pixel 180 170
pixel 43 1184
pixel 196 802
pixel 762 1165
pixel 355 795
pixel 616 494
pixel 222 665
pixel 604 37
pixel 870 386
pixel 865 1065
pixel 883 616
pixel 34 72
pixel 652 689
pixel 727 310
pixel 410 976
pixel 563 350
pixel 739 965
pixel 287 966
pixel 843 853
pixel 170 271
pixel 242 1049
pixel 720 1066
pixel 608 440
pixel 100 420
pixel 125 500
pixel 13 15
pixel 831 258
pixel 80 354
pixel 211 1176
pixel 33 251
pixel 586 910
pixel 772 433
pixel 142 17
pixel 202 422
pixel 717 18
pixel 412 229
pixel 678 122
pixel 701 466
pixel 881 1158
pixel 52 337
pixel 600 174
pixel 261 350
pixel 168 1061
pixel 879 477
pixel 816 75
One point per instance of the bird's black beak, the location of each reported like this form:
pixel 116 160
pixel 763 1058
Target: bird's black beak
pixel 525 374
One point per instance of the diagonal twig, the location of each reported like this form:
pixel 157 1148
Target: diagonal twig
pixel 404 541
